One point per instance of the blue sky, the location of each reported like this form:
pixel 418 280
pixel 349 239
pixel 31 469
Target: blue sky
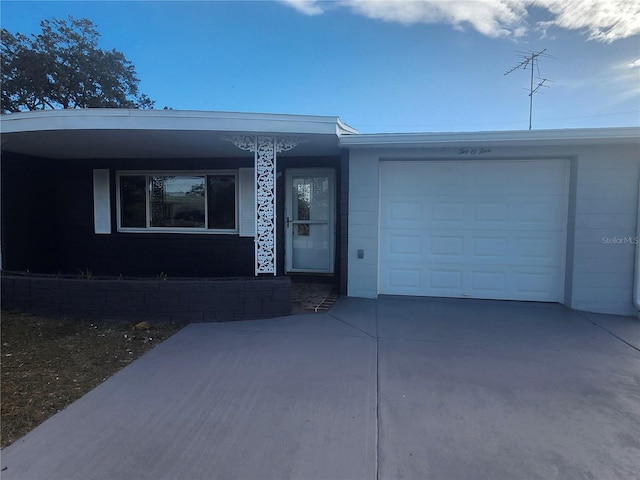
pixel 381 66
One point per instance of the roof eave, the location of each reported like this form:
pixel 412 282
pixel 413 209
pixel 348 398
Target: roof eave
pixel 123 119
pixel 506 138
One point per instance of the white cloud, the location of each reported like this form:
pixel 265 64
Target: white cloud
pixel 630 77
pixel 604 20
pixel 634 64
pixel 306 7
pixel 494 18
pixel 621 79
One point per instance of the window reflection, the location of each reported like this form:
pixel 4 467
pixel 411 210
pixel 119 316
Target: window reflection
pixel 222 201
pixel 133 201
pixel 304 207
pixel 177 201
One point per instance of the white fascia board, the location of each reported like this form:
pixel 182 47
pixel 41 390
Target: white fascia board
pixel 507 138
pixel 123 119
pixel 344 129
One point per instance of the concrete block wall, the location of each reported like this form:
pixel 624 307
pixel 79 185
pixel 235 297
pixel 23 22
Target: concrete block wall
pixel 363 223
pixel 606 216
pixel 172 300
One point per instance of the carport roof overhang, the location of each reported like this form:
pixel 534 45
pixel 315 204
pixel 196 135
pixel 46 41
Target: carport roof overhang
pixel 522 138
pixel 119 133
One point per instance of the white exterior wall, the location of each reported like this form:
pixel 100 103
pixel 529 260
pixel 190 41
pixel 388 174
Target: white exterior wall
pixel 603 203
pixel 606 208
pixel 363 224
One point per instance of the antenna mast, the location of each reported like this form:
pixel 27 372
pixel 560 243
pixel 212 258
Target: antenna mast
pixel 531 59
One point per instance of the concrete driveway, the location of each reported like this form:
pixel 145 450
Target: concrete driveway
pixel 386 389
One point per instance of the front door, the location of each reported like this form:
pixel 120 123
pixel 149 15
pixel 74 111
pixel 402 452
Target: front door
pixel 310 220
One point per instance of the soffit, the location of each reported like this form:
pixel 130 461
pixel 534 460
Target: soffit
pixel 114 133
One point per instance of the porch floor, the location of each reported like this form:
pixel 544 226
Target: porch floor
pixel 312 297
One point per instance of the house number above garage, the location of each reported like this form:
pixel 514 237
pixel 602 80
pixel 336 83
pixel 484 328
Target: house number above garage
pixel 473 151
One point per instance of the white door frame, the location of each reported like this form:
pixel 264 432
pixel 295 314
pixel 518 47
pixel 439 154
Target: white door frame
pixel 289 224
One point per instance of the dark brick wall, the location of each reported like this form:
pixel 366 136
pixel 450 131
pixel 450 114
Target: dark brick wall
pixel 205 300
pixel 180 255
pixel 150 254
pixel 29 228
pixel 47 224
pixel 47 208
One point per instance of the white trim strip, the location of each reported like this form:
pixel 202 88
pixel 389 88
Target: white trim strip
pixel 247 203
pixel 636 287
pixel 101 201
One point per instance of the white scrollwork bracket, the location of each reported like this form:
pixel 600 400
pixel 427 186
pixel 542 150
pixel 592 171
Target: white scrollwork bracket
pixel 243 142
pixel 284 144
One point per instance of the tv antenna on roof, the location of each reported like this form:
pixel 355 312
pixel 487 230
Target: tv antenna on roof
pixel 531 59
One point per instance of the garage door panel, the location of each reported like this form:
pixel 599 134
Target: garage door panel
pixel 445 211
pixel 493 248
pixel 446 247
pixel 541 177
pixel 403 280
pixel 523 285
pixel 403 210
pixel 409 177
pixel 485 283
pixel 499 234
pixel 441 178
pixel 488 214
pixel 445 282
pixel 534 282
pixel 485 179
pixel 542 250
pixel 403 247
pixel 538 213
pixel 522 212
pixel 404 277
pixel 548 213
pixel 534 177
pixel 472 282
pixel 525 213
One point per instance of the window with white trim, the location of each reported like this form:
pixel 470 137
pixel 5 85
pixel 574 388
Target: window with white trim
pixel 181 202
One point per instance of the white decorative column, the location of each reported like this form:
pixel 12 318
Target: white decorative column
pixel 265 165
pixel 265 148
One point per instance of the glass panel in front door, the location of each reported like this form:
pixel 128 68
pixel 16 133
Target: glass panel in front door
pixel 311 218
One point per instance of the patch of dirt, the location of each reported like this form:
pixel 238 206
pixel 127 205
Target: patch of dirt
pixel 46 364
pixel 312 297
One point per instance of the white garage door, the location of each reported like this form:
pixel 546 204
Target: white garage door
pixel 477 229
